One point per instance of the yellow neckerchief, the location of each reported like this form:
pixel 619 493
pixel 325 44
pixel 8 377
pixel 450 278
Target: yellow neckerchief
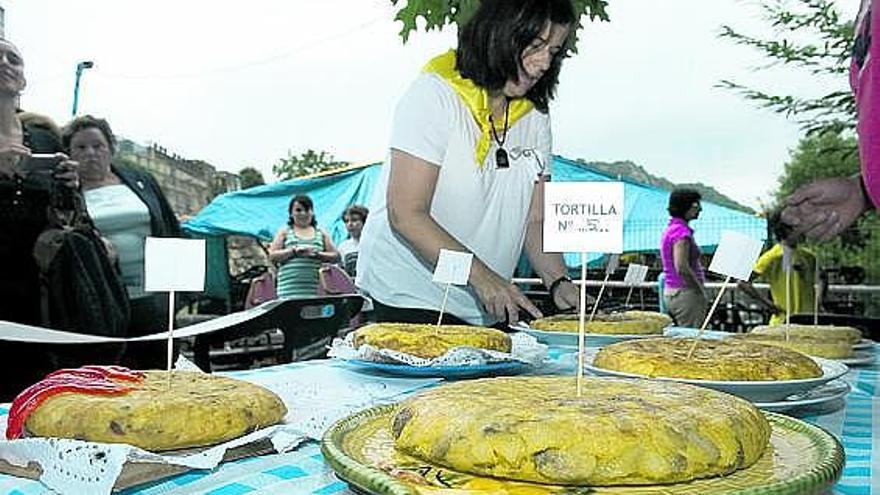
pixel 477 101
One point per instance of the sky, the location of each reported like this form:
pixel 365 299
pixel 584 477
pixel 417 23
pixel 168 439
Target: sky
pixel 242 84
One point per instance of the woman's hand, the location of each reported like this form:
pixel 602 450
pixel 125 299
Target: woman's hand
pixel 306 252
pixel 502 299
pixel 567 296
pixel 67 172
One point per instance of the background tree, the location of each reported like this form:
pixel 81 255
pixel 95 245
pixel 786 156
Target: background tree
pixel 308 163
pixel 818 156
pixel 250 177
pixel 808 36
pixel 439 13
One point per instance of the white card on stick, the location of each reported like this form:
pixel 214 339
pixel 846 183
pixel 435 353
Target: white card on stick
pixel 583 217
pixel 635 274
pixel 613 262
pixel 453 267
pixel 736 255
pixel 172 264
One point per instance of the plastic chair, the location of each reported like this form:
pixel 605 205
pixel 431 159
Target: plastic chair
pixel 303 322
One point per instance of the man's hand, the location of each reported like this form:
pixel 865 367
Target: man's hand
pixel 825 208
pixel 503 300
pixel 11 154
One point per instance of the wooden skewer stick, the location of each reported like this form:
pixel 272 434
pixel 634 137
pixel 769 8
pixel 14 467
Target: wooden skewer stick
pixel 601 291
pixel 787 297
pixel 170 356
pixel 708 317
pixel 442 308
pixel 581 326
pixel 817 286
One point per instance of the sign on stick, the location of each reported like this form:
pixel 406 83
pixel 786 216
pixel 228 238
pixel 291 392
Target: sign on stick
pixel 583 217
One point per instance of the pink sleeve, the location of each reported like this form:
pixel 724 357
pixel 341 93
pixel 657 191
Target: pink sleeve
pixel 678 233
pixel 866 84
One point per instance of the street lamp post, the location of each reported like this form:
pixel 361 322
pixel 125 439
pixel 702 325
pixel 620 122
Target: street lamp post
pixel 80 67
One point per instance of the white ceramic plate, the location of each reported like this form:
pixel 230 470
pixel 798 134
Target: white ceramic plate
pixel 451 372
pixel 859 358
pixel 863 344
pixel 755 391
pixel 570 339
pixel 829 392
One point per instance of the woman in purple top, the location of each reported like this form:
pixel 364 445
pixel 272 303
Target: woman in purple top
pixel 825 208
pixel 683 289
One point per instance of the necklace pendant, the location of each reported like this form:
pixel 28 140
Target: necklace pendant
pixel 501 160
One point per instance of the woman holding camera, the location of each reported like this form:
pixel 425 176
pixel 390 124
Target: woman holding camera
pixel 299 248
pixel 28 187
pixel 127 206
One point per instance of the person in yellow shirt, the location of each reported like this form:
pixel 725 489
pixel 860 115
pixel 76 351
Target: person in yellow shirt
pixel 771 268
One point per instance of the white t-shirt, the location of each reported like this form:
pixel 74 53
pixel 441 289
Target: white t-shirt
pixel 122 218
pixel 484 209
pixel 348 254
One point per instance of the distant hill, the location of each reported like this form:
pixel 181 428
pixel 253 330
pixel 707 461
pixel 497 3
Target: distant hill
pixel 630 171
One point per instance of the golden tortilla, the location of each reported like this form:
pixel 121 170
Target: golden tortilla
pixel 822 333
pixel 626 323
pixel 427 341
pixel 198 409
pixel 618 432
pixel 717 360
pixel 830 349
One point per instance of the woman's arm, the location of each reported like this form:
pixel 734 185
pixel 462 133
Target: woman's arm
pixel 549 266
pixel 681 259
pixel 410 192
pixel 277 252
pixel 329 254
pixel 755 294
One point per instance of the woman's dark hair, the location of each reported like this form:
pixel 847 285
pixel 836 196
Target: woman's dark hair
pixel 491 44
pixel 306 202
pixel 681 200
pixel 88 122
pixel 357 211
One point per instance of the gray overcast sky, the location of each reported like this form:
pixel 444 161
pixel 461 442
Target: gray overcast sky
pixel 240 83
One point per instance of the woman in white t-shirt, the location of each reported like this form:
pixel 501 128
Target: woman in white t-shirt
pixel 469 150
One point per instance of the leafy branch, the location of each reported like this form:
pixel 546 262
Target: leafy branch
pixel 438 13
pixel 827 53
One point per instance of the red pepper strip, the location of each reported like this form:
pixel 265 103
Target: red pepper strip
pixel 114 370
pixel 101 372
pixel 86 380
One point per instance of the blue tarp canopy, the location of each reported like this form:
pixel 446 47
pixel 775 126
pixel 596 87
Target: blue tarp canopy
pixel 260 211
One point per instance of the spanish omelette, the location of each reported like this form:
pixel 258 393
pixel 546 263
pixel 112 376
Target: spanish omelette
pixel 723 360
pixel 193 409
pixel 429 341
pixel 618 432
pixel 626 323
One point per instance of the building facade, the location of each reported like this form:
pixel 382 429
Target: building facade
pixel 188 184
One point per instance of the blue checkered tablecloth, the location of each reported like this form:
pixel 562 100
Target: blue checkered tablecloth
pixel 303 471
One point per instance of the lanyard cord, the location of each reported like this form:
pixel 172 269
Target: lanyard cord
pixel 506 120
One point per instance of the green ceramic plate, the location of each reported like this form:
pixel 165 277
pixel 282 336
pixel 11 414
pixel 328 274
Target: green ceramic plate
pixel 802 459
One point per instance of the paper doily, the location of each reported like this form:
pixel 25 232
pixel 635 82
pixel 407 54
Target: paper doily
pixel 524 348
